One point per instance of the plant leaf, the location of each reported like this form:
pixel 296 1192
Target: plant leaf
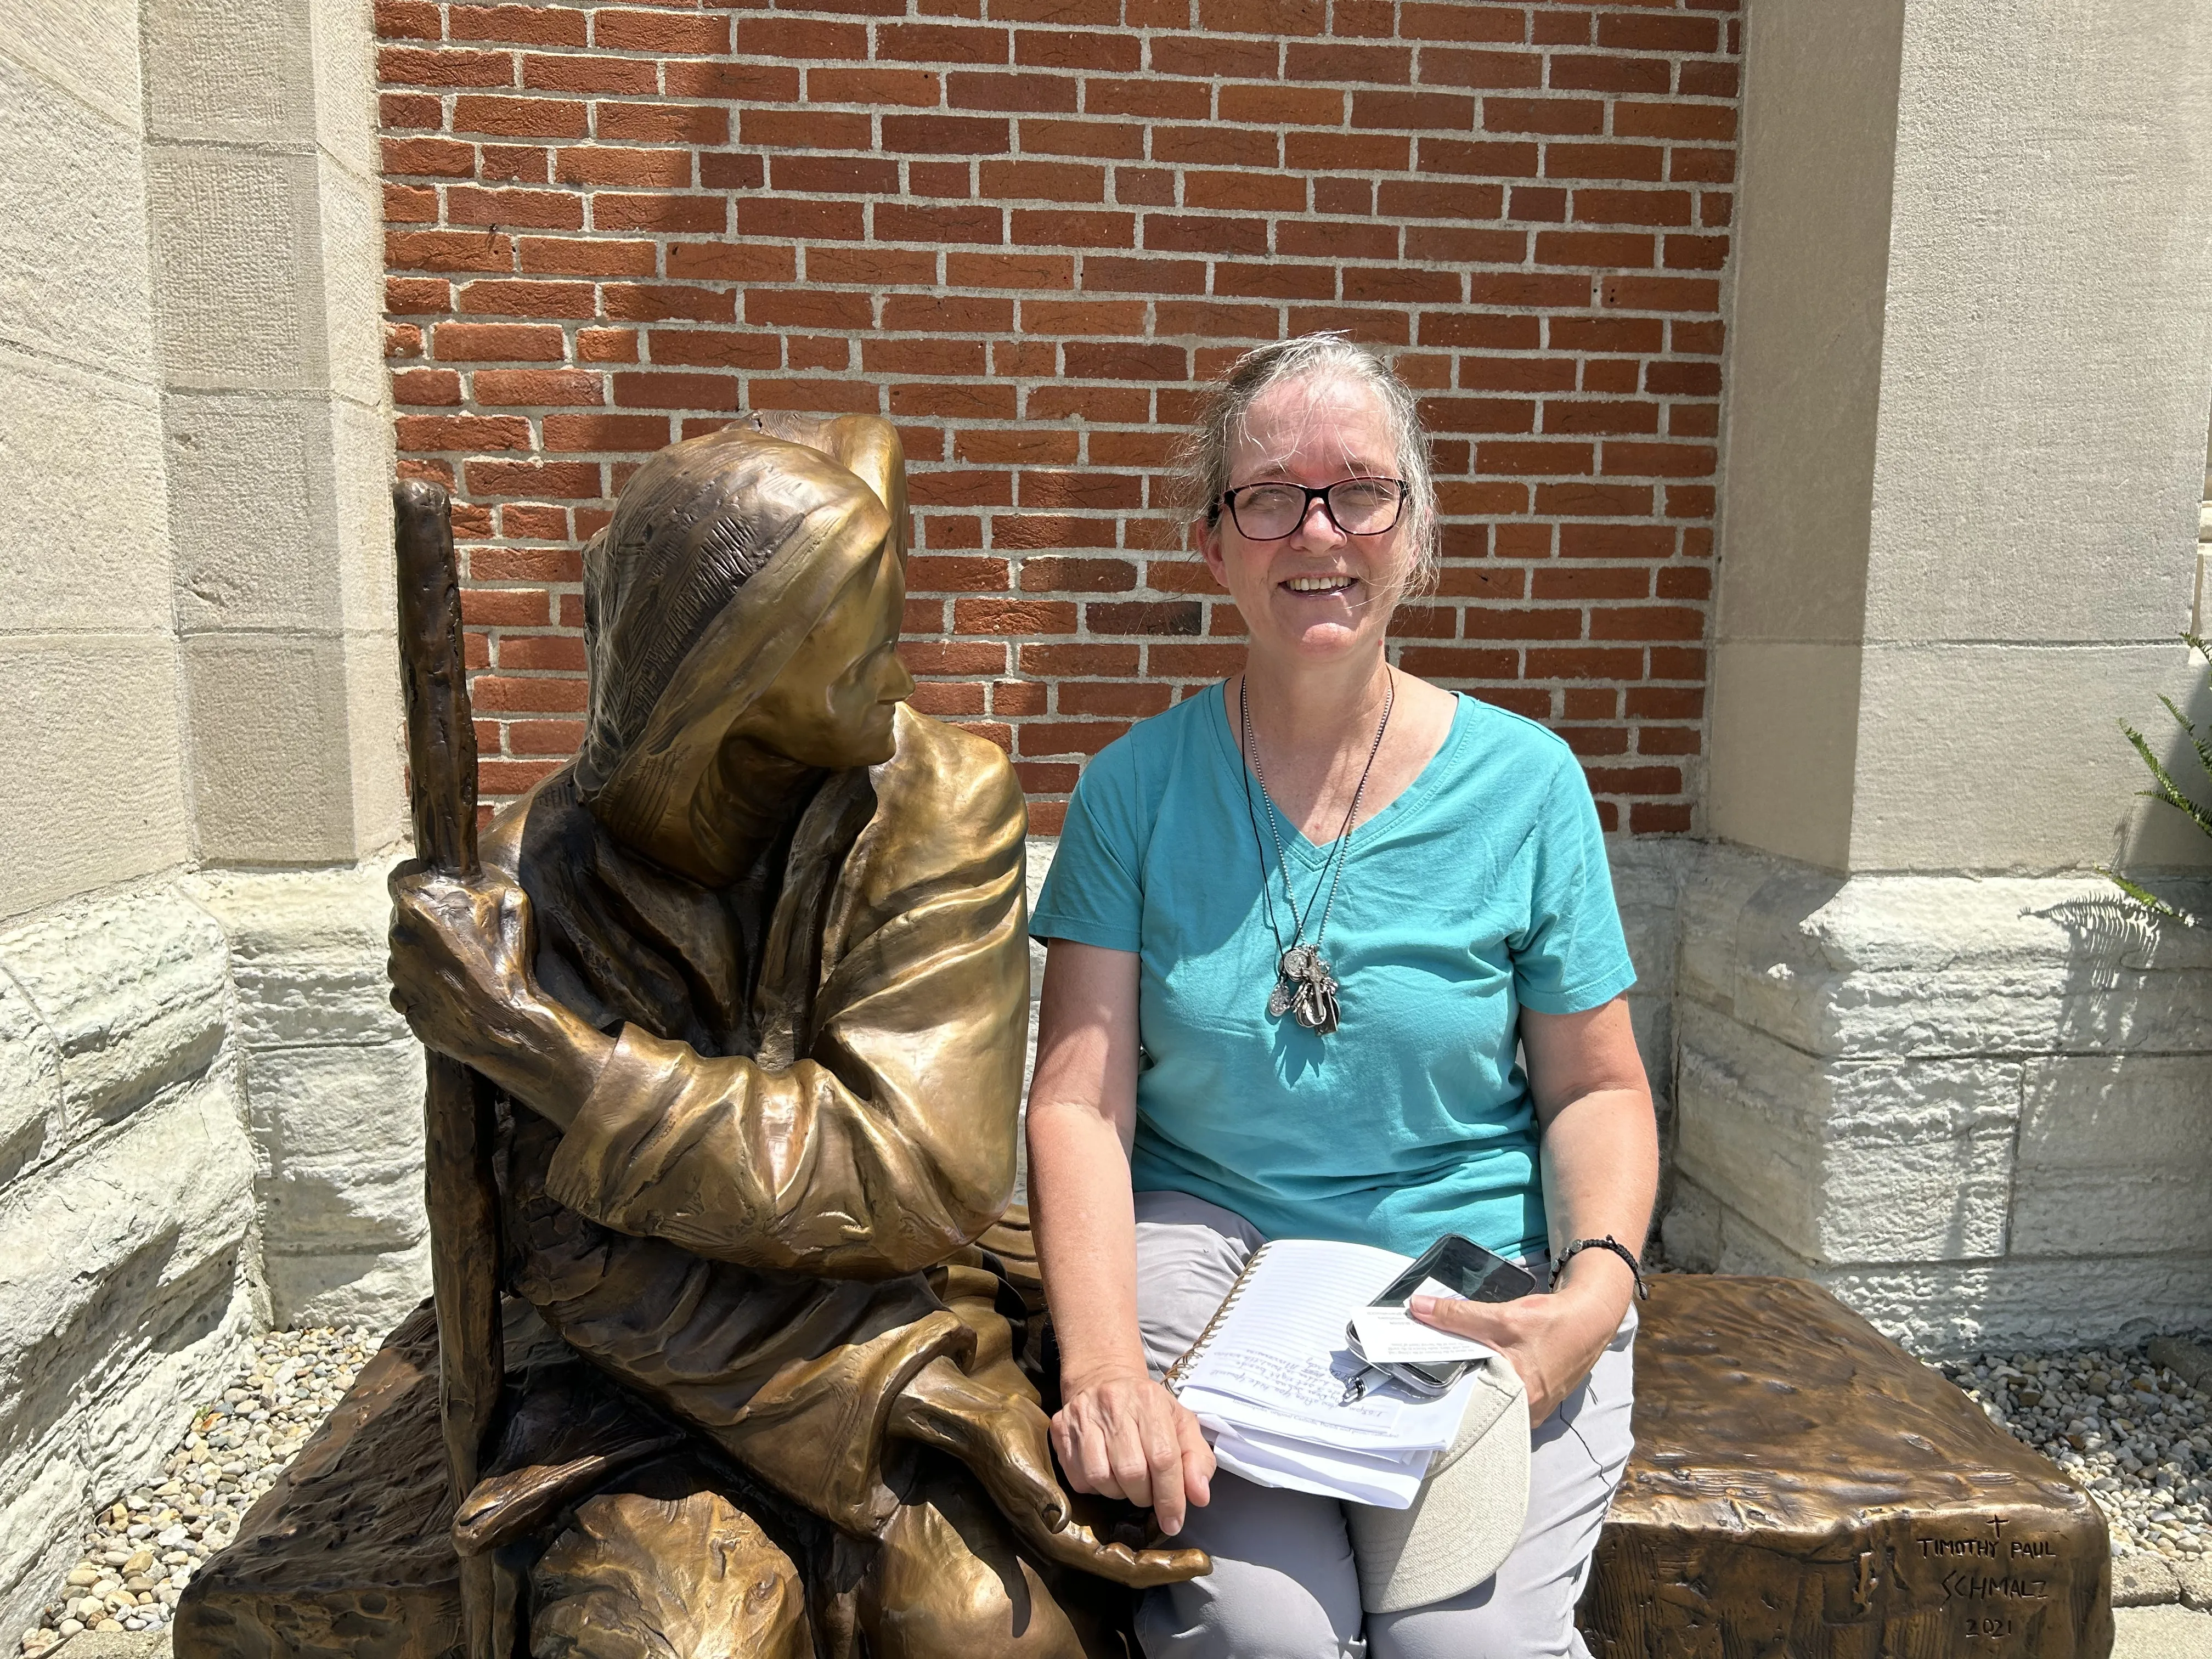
pixel 2167 790
pixel 2149 900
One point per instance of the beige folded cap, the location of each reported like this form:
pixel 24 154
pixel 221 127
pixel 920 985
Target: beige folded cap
pixel 1470 1510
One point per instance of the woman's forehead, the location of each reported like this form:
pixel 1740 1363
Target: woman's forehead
pixel 1316 418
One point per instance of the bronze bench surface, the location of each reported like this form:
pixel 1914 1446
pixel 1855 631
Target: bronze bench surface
pixel 1801 1489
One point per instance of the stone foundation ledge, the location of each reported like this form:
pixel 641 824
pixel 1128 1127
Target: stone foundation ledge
pixel 1976 1107
pixel 332 1090
pixel 208 1119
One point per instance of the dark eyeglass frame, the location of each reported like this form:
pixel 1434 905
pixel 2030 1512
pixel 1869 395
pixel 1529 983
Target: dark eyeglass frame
pixel 1312 494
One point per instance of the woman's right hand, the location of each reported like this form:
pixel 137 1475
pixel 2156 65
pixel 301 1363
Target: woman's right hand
pixel 1123 1435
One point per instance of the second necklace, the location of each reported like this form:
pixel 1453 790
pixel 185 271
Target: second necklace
pixel 1305 986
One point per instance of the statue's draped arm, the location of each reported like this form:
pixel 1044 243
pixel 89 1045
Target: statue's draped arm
pixel 890 1143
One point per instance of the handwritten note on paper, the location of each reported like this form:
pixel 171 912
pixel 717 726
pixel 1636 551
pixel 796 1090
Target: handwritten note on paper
pixel 1281 1345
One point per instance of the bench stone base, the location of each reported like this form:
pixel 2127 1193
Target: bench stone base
pixel 350 1555
pixel 1802 1487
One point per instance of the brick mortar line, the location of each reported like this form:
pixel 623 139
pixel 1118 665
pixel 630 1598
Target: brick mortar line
pixel 946 427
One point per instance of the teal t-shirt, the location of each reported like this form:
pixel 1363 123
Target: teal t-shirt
pixel 1481 891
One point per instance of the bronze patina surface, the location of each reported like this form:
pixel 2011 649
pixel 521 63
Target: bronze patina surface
pixel 749 980
pixel 461 1192
pixel 348 1552
pixel 1802 1487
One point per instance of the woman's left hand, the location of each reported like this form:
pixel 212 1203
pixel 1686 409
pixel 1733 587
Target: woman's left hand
pixel 1552 1341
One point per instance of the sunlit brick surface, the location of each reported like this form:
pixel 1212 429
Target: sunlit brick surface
pixel 1023 229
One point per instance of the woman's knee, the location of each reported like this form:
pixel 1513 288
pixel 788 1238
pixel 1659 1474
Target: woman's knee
pixel 1472 1628
pixel 1238 1612
pixel 1283 1584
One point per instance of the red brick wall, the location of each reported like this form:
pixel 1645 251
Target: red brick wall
pixel 1021 229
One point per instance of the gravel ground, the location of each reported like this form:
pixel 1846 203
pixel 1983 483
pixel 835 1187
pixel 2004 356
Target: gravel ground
pixel 2135 1433
pixel 141 1551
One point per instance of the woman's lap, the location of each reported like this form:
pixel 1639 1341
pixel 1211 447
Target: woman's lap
pixel 1283 1582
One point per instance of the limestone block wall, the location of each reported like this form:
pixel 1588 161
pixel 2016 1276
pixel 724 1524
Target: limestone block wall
pixel 266 229
pixel 1924 1054
pixel 127 1277
pixel 1970 369
pixel 125 1176
pixel 205 1113
pixel 330 1087
pixel 92 745
pixel 1974 1109
pixel 209 1121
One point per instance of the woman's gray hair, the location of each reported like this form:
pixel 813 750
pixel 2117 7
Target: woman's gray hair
pixel 1202 459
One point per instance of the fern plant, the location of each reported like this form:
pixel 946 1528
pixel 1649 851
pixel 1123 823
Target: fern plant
pixel 2172 793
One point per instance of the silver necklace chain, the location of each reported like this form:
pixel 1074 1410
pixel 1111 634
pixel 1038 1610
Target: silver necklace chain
pixel 1304 984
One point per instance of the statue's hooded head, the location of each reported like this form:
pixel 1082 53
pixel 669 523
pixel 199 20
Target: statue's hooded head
pixel 745 599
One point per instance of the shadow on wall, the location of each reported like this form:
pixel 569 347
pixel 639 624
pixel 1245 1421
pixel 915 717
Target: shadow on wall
pixel 2115 1151
pixel 2115 1147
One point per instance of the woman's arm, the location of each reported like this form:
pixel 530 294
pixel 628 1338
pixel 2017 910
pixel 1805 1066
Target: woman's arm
pixel 1600 1176
pixel 1118 1432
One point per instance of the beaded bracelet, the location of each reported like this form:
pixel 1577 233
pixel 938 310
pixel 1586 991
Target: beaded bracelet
pixel 1608 1243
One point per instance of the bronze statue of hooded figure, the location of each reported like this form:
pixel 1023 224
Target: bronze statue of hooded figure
pixel 752 972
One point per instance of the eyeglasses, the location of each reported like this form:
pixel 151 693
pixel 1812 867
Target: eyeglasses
pixel 1357 507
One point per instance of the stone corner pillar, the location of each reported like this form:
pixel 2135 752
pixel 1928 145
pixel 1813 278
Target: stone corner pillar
pixel 1925 1055
pixel 266 215
pixel 267 240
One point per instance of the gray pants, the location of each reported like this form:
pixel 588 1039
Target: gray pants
pixel 1283 1584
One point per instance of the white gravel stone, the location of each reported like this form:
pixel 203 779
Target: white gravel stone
pixel 142 1549
pixel 2137 1435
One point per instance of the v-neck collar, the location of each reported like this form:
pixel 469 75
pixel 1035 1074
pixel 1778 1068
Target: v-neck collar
pixel 1295 844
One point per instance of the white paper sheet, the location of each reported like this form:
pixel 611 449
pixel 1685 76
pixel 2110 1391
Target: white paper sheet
pixel 1393 1336
pixel 1281 1349
pixel 1352 1435
pixel 1327 1472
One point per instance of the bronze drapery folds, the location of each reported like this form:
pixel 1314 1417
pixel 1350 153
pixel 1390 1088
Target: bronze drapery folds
pixel 751 977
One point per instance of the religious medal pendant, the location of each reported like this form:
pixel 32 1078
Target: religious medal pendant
pixel 1290 972
pixel 1305 987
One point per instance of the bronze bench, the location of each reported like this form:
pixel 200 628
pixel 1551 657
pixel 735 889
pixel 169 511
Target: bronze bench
pixel 1801 1489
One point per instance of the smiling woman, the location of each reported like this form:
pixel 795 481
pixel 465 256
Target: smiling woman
pixel 1304 933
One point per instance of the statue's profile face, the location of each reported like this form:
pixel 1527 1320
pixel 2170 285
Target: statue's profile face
pixel 831 704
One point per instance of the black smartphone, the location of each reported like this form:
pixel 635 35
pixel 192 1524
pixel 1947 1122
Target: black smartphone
pixel 1466 1269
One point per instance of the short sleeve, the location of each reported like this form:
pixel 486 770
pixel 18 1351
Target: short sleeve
pixel 1572 955
pixel 1092 894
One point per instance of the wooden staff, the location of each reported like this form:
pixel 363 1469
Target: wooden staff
pixel 461 1192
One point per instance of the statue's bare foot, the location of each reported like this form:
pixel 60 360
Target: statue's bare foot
pixel 1004 1442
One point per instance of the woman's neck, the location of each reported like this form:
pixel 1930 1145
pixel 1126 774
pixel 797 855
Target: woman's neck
pixel 1315 728
pixel 1308 716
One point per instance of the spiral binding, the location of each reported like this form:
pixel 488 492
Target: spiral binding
pixel 1176 1372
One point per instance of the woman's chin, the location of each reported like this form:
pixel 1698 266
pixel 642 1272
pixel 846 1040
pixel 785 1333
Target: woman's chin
pixel 1314 640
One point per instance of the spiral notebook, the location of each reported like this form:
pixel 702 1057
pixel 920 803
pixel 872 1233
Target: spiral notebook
pixel 1265 1379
